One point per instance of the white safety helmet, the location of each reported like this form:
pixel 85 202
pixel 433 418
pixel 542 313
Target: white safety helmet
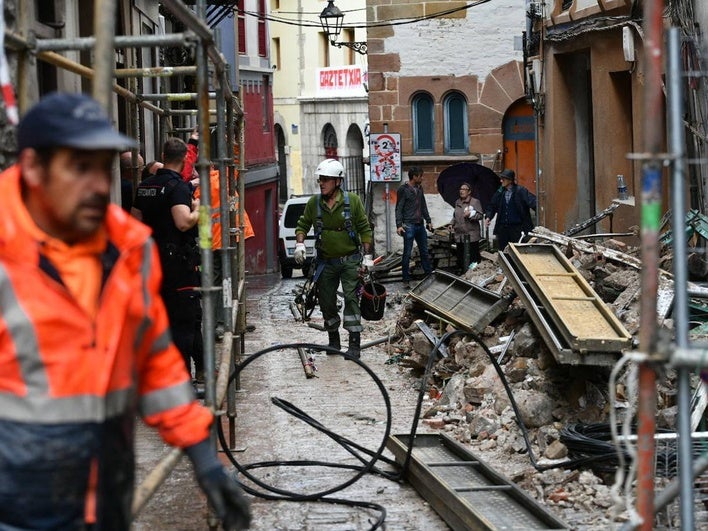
pixel 330 168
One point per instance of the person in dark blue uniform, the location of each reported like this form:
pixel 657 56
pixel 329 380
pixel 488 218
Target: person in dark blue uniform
pixel 512 205
pixel 164 202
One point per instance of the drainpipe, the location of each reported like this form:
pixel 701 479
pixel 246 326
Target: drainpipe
pixel 650 226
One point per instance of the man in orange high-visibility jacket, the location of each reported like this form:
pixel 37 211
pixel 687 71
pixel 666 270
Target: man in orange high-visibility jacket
pixel 189 175
pixel 84 336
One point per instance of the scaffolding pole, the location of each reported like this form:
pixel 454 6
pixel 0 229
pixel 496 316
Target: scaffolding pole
pixel 650 227
pixel 155 71
pixel 677 147
pixel 119 41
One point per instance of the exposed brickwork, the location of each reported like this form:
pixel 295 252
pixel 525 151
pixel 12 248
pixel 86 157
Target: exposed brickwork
pixel 400 11
pixel 389 62
pixel 511 79
pixel 486 143
pixel 379 32
pixel 436 7
pixel 376 82
pixel 494 96
pixel 483 117
pixel 402 113
pixel 375 46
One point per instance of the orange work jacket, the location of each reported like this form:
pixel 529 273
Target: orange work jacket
pixel 60 366
pixel 216 211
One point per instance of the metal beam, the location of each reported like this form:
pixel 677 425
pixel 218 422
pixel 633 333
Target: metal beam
pixel 121 41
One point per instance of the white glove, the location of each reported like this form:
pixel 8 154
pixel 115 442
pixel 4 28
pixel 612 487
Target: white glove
pixel 368 261
pixel 471 213
pixel 300 252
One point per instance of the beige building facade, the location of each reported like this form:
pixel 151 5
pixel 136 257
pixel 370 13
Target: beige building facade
pixel 320 93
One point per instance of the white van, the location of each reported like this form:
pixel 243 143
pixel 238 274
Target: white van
pixel 292 210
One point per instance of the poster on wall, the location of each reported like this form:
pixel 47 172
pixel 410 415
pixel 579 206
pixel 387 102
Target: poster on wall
pixel 385 157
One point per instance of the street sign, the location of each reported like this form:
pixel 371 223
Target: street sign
pixel 385 157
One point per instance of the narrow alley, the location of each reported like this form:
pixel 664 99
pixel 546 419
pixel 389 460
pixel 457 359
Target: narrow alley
pixel 342 396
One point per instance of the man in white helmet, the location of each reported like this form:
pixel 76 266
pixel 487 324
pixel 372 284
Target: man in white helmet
pixel 342 236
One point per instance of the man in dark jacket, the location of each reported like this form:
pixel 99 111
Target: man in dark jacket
pixel 164 202
pixel 511 203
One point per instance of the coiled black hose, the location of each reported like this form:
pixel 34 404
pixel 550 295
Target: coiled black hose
pixel 367 457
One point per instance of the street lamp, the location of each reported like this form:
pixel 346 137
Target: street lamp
pixel 331 19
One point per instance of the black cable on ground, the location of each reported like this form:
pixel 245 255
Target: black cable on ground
pixel 353 448
pixel 593 442
pixel 358 451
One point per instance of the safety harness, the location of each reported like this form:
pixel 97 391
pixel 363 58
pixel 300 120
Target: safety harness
pixel 319 228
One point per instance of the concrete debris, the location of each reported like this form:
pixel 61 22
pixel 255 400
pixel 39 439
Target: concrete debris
pixel 468 399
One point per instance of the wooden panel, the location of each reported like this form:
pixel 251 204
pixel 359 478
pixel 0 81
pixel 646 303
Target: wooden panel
pixel 578 314
pixel 462 303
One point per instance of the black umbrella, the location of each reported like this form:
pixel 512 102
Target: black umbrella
pixel 483 182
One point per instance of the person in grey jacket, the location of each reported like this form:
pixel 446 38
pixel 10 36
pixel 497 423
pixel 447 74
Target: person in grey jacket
pixel 465 226
pixel 411 213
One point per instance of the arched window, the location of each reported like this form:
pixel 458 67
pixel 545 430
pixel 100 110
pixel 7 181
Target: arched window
pixel 423 124
pixel 456 137
pixel 329 139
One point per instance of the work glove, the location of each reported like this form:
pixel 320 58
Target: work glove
pixel 222 490
pixel 300 252
pixel 368 261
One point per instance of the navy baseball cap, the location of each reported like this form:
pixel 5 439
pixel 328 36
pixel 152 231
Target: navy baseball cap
pixel 70 120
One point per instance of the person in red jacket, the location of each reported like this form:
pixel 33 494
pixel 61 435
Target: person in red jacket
pixel 84 336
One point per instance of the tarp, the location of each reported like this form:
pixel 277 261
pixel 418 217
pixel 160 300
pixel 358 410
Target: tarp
pixel 483 182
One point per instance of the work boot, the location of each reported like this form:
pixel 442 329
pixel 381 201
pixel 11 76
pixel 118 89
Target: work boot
pixel 354 349
pixel 334 341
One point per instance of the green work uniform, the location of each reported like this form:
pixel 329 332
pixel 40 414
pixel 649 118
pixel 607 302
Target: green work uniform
pixel 338 255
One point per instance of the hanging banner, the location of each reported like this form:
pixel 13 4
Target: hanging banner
pixel 385 157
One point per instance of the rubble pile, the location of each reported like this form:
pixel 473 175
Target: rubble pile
pixel 466 396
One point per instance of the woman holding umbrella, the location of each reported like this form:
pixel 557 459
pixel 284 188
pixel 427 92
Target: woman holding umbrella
pixel 466 228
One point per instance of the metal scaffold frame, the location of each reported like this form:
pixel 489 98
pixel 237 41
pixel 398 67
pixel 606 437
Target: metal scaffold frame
pixel 229 117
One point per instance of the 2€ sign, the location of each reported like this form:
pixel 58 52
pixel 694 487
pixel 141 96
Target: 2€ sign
pixel 385 156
